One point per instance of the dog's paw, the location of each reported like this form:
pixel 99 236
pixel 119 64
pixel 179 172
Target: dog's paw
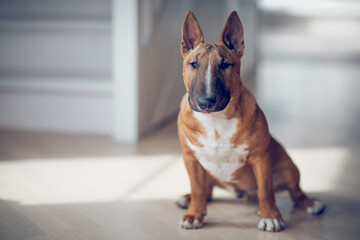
pixel 271 225
pixel 183 201
pixel 190 222
pixel 316 208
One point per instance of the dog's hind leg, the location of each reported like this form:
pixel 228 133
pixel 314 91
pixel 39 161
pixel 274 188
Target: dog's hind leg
pixel 310 205
pixel 183 201
pixel 287 177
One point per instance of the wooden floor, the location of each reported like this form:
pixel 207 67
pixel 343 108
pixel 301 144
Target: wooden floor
pixel 132 197
pixel 60 187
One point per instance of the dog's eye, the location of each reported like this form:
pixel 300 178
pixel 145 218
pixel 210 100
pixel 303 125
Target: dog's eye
pixel 194 64
pixel 225 65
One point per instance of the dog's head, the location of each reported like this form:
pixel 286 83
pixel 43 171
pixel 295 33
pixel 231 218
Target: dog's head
pixel 211 71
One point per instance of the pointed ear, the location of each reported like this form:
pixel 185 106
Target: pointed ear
pixel 191 34
pixel 233 34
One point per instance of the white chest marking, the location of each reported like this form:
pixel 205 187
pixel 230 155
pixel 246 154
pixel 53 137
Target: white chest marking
pixel 217 155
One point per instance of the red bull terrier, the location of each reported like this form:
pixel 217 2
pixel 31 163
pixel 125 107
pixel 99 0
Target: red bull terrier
pixel 224 133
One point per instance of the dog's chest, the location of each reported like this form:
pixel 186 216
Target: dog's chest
pixel 217 154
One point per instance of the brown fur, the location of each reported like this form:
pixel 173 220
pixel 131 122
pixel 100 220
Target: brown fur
pixel 266 158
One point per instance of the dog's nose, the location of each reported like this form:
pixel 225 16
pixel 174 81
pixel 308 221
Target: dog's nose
pixel 206 103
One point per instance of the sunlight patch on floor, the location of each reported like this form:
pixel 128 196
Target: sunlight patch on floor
pixel 54 181
pixel 320 167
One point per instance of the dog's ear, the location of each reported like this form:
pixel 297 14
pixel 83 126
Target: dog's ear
pixel 233 35
pixel 191 34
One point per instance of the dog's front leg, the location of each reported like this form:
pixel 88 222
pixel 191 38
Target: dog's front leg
pixel 270 218
pixel 200 187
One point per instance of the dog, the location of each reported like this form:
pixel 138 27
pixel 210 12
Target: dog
pixel 224 133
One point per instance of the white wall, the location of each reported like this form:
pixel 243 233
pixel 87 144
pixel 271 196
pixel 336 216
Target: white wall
pixel 55 65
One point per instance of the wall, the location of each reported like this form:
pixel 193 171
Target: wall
pixel 55 65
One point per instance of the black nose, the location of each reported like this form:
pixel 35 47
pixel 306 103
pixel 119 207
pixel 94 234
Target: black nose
pixel 206 103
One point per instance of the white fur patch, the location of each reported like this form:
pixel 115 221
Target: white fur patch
pixel 181 202
pixel 271 225
pixel 208 77
pixel 218 156
pixel 316 208
pixel 187 225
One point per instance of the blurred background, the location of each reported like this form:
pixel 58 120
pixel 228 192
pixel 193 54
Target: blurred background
pixel 90 91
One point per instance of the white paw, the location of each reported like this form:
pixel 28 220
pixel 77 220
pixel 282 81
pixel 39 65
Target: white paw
pixel 194 225
pixel 271 225
pixel 317 208
pixel 182 202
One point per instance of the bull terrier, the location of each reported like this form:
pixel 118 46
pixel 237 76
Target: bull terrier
pixel 224 133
